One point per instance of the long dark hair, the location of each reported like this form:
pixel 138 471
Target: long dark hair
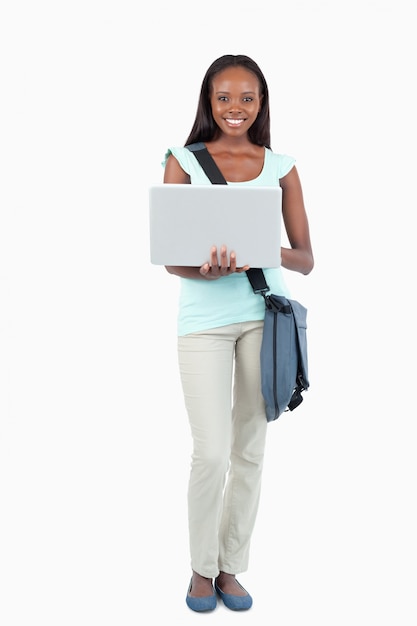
pixel 205 128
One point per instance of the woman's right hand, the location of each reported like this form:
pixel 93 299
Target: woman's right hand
pixel 211 270
pixel 217 268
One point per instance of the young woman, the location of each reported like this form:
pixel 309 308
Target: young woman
pixel 220 323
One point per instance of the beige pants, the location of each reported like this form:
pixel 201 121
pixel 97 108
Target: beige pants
pixel 220 376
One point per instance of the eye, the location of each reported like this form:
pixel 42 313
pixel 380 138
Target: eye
pixel 248 99
pixel 222 98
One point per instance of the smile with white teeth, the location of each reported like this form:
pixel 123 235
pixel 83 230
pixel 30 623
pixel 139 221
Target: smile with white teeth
pixel 234 122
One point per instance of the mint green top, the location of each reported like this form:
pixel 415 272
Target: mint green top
pixel 228 300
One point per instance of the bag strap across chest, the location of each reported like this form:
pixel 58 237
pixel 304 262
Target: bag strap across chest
pixel 255 275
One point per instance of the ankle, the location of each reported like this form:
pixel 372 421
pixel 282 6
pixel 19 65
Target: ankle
pixel 228 584
pixel 223 577
pixel 199 578
pixel 201 585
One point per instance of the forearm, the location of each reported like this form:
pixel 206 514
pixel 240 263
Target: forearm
pixel 297 260
pixel 184 272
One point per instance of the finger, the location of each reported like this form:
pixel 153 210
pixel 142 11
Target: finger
pixel 213 257
pixel 223 259
pixel 232 261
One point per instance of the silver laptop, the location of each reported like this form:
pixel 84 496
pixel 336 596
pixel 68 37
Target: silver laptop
pixel 187 220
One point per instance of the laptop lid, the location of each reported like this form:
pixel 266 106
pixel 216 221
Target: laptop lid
pixel 187 220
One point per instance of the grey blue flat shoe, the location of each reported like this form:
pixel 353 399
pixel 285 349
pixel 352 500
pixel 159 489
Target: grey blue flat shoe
pixel 235 603
pixel 205 603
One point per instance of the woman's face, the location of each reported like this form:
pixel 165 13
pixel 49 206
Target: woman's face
pixel 235 100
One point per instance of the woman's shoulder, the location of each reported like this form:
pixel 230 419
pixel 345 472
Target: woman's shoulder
pixel 188 163
pixel 179 152
pixel 279 162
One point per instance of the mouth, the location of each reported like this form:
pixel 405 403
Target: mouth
pixel 234 122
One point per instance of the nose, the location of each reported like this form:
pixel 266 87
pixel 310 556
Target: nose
pixel 235 105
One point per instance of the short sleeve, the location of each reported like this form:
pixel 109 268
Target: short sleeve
pixel 182 155
pixel 188 163
pixel 282 163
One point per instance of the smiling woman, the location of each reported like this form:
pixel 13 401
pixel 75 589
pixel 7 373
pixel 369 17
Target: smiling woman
pixel 220 326
pixel 236 101
pixel 235 98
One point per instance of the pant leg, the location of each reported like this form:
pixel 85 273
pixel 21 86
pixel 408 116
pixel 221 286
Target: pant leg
pixel 206 369
pixel 221 524
pixel 249 429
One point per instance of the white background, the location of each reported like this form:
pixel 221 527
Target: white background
pixel 94 441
